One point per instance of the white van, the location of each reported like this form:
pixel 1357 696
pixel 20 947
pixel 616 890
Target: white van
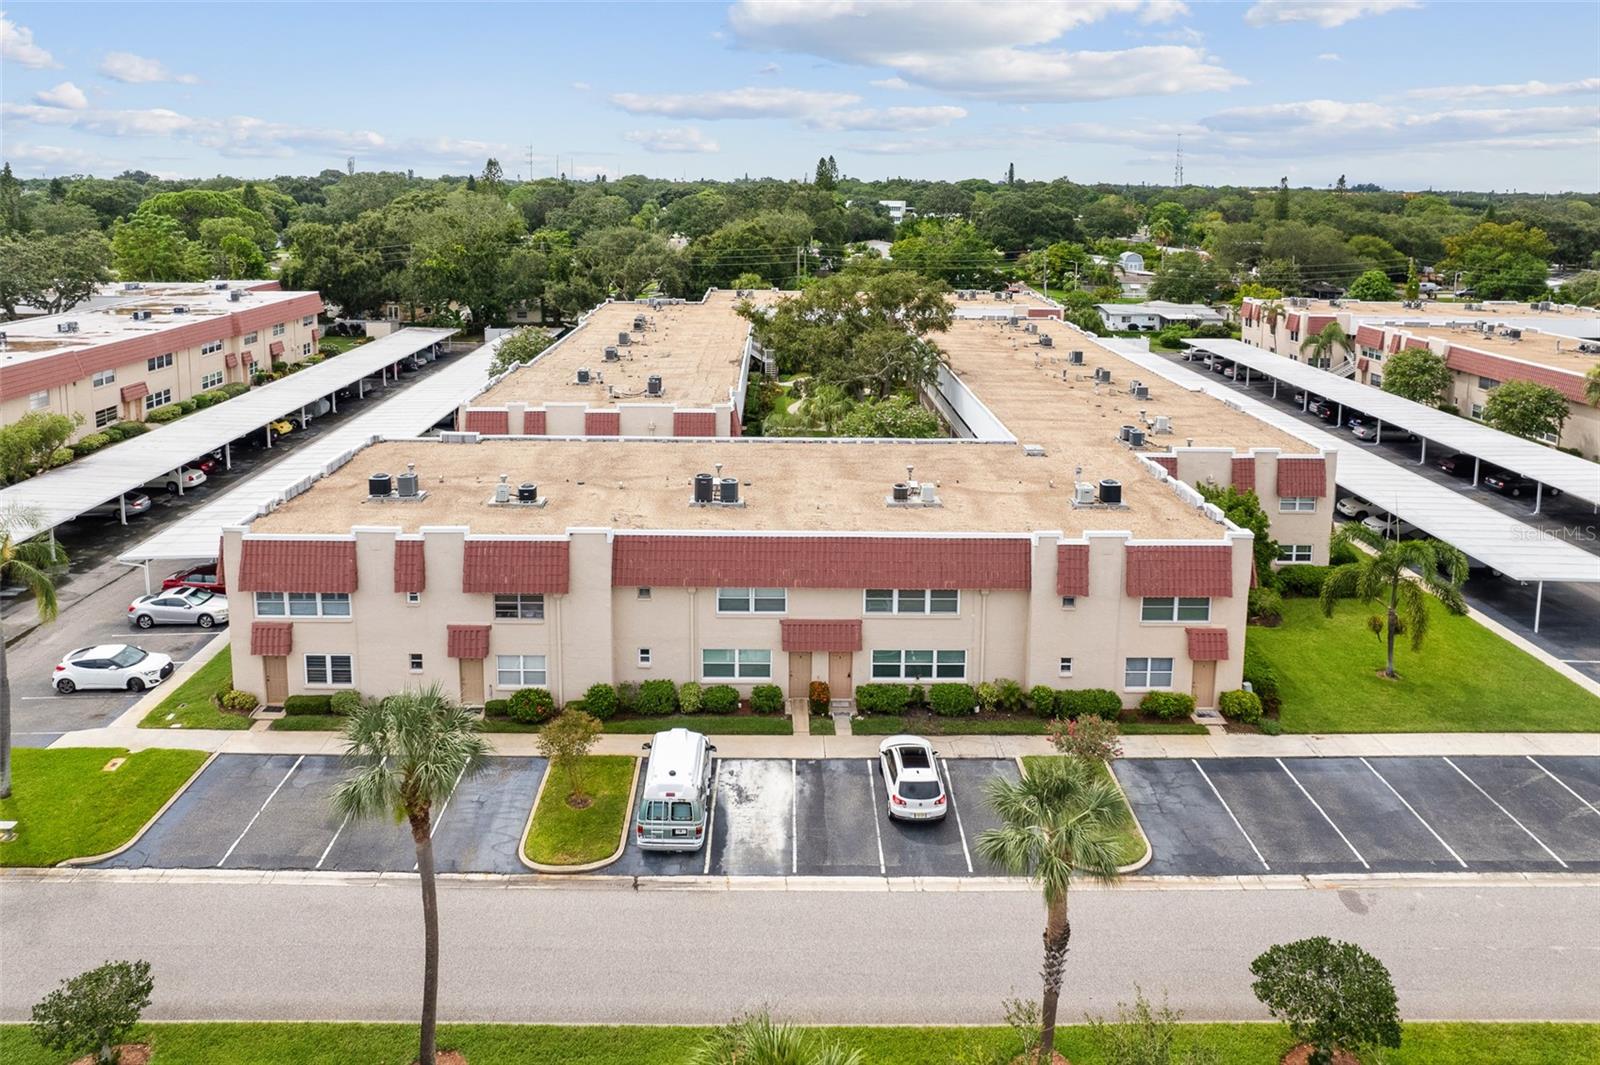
pixel 675 802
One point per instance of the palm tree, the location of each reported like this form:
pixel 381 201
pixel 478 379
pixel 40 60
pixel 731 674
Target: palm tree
pixel 1272 313
pixel 1591 385
pixel 1403 572
pixel 756 1040
pixel 1061 817
pixel 412 748
pixel 1323 344
pixel 31 563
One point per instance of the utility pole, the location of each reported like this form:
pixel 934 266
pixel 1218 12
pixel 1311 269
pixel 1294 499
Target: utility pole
pixel 1177 166
pixel 530 160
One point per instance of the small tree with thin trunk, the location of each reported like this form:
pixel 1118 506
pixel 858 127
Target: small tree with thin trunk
pixel 93 1012
pixel 32 563
pixel 1333 996
pixel 567 741
pixel 1417 374
pixel 410 751
pixel 1322 344
pixel 1400 573
pixel 1062 817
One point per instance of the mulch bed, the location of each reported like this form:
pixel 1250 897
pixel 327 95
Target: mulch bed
pixel 1302 1054
pixel 127 1054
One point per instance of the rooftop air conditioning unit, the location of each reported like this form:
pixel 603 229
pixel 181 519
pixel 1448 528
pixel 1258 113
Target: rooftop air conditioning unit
pixel 1163 424
pixel 583 375
pixel 379 485
pixel 66 327
pixel 1514 334
pixel 1141 391
pixel 1111 492
pixel 406 484
pixel 653 385
pixel 236 295
pixel 140 316
pixel 1083 494
pixel 132 286
pixel 220 286
pixel 1136 438
pixel 612 354
pixel 1031 327
pixel 1033 451
pixel 1075 358
pixel 1102 374
pixel 623 339
pixel 1046 340
pixel 180 309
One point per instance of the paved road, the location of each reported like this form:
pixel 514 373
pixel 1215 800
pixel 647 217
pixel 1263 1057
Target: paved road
pixel 352 950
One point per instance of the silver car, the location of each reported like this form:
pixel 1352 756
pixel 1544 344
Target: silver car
pixel 179 606
pixel 911 778
pixel 137 503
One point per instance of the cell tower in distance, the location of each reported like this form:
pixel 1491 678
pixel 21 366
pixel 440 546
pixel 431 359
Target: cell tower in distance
pixel 1177 165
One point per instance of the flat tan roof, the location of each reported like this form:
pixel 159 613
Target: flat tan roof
pixel 1545 349
pixel 1437 309
pixel 821 485
pixel 696 347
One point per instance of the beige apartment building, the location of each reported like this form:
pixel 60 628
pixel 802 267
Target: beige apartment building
pixel 1483 344
pixel 149 345
pixel 1060 554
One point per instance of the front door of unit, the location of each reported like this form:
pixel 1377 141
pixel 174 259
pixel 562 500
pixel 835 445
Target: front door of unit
pixel 841 684
pixel 471 682
pixel 277 676
pixel 799 674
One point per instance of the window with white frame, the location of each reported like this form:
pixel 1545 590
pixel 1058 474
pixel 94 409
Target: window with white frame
pixel 249 338
pixel 644 656
pixel 644 593
pixel 1069 602
pixel 1488 383
pixel 519 607
pixel 413 598
pixel 1376 380
pixel 917 665
pixel 211 348
pixel 160 362
pixel 752 600
pixel 305 349
pixel 416 662
pixel 330 670
pixel 278 329
pixel 1147 673
pixel 303 604
pixel 1296 504
pixel 1179 608
pixel 1548 438
pixel 104 416
pixel 1294 552
pixel 211 380
pixel 104 377
pixel 39 400
pixel 519 671
pixel 1064 667
pixel 725 663
pixel 913 601
pixel 1477 412
pixel 159 398
pixel 308 319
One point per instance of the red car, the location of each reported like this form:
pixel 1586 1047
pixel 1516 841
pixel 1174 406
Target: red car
pixel 198 577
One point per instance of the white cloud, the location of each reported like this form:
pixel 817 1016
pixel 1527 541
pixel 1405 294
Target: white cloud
pixel 140 70
pixel 933 145
pixel 1330 57
pixel 893 84
pixel 679 139
pixel 1163 11
pixel 1522 88
pixel 582 86
pixel 1325 13
pixel 736 103
pixel 903 119
pixel 16 46
pixel 53 159
pixel 64 95
pixel 1008 74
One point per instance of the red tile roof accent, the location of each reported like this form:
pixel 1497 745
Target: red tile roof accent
pixel 275 348
pixel 467 641
pixel 137 390
pixel 1398 341
pixel 505 567
pixel 1072 569
pixel 1179 569
pixel 1302 477
pixel 1044 312
pixel 602 423
pixel 247 358
pixel 230 360
pixel 800 635
pixel 1315 322
pixel 410 566
pixel 694 423
pixel 734 427
pixel 820 562
pixel 1208 645
pixel 297 565
pixel 1369 336
pixel 487 421
pixel 1463 360
pixel 1244 473
pixel 533 423
pixel 1363 364
pixel 1166 462
pixel 271 637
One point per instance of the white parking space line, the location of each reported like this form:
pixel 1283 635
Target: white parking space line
pixel 950 792
pixel 872 789
pixel 1231 817
pixel 1324 814
pixel 258 813
pixel 711 815
pixel 1508 813
pixel 433 829
pixel 329 848
pixel 794 816
pixel 1563 783
pixel 1418 816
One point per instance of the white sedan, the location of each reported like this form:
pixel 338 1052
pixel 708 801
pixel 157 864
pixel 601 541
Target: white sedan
pixel 179 606
pixel 118 666
pixel 911 778
pixel 189 476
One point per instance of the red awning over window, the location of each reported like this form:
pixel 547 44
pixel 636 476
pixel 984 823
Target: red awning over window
pixel 271 637
pixel 275 348
pixel 467 641
pixel 247 358
pixel 1072 569
pixel 410 568
pixel 801 635
pixel 509 567
pixel 297 566
pixel 135 391
pixel 1208 645
pixel 230 360
pixel 1179 569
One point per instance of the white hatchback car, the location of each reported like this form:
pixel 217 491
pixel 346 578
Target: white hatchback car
pixel 119 666
pixel 911 778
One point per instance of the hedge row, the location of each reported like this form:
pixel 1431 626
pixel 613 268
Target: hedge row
pixel 653 698
pixel 1003 696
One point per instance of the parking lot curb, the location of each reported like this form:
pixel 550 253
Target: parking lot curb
pixel 1149 848
pixel 563 870
pixel 137 836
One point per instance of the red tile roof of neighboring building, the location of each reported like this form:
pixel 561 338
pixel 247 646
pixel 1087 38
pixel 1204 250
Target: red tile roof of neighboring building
pixel 1302 477
pixel 1463 360
pixel 533 423
pixel 271 637
pixel 1179 569
pixel 410 566
pixel 694 423
pixel 1208 645
pixel 820 561
pixel 1072 569
pixel 137 390
pixel 1244 473
pixel 602 423
pixel 466 641
pixel 486 420
pixel 801 635
pixel 297 565
pixel 507 567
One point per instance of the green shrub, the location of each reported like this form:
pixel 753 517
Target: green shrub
pixel 497 708
pixel 88 1016
pixel 128 429
pixel 657 698
pixel 916 697
pixel 308 704
pixel 347 702
pixel 1343 555
pixel 1009 697
pixel 1270 726
pixel 1042 700
pixel 766 699
pixel 1241 706
pixel 601 701
pixel 1266 606
pixel 882 698
pixel 987 695
pixel 1168 706
pixel 1262 677
pixel 92 442
pixel 952 700
pixel 1303 581
pixel 170 413
pixel 627 697
pixel 60 457
pixel 719 699
pixel 689 697
pixel 1096 702
pixel 531 705
pixel 237 702
pixel 113 433
pixel 819 697
pixel 187 406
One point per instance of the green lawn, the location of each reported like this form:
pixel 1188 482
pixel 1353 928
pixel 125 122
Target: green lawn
pixel 509 1044
pixel 1133 846
pixel 189 705
pixel 1160 728
pixel 933 725
pixel 308 723
pixel 66 806
pixel 338 345
pixel 822 725
pixel 710 724
pixel 1465 678
pixel 561 835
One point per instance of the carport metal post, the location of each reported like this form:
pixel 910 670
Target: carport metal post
pixel 122 507
pixel 1477 464
pixel 1379 438
pixel 1538 495
pixel 1247 377
pixel 227 455
pixel 333 401
pixel 1340 419
pixel 1274 388
pixel 1538 606
pixel 302 417
pixel 1423 461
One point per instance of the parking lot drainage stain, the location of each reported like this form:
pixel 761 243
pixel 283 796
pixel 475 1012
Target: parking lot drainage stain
pixel 1353 901
pixel 758 799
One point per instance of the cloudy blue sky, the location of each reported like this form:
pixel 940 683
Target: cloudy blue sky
pixel 1405 93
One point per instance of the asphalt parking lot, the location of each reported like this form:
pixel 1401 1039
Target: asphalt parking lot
pixel 1235 816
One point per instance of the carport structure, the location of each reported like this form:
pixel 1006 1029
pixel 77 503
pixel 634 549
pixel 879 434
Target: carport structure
pixel 1516 549
pixel 60 495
